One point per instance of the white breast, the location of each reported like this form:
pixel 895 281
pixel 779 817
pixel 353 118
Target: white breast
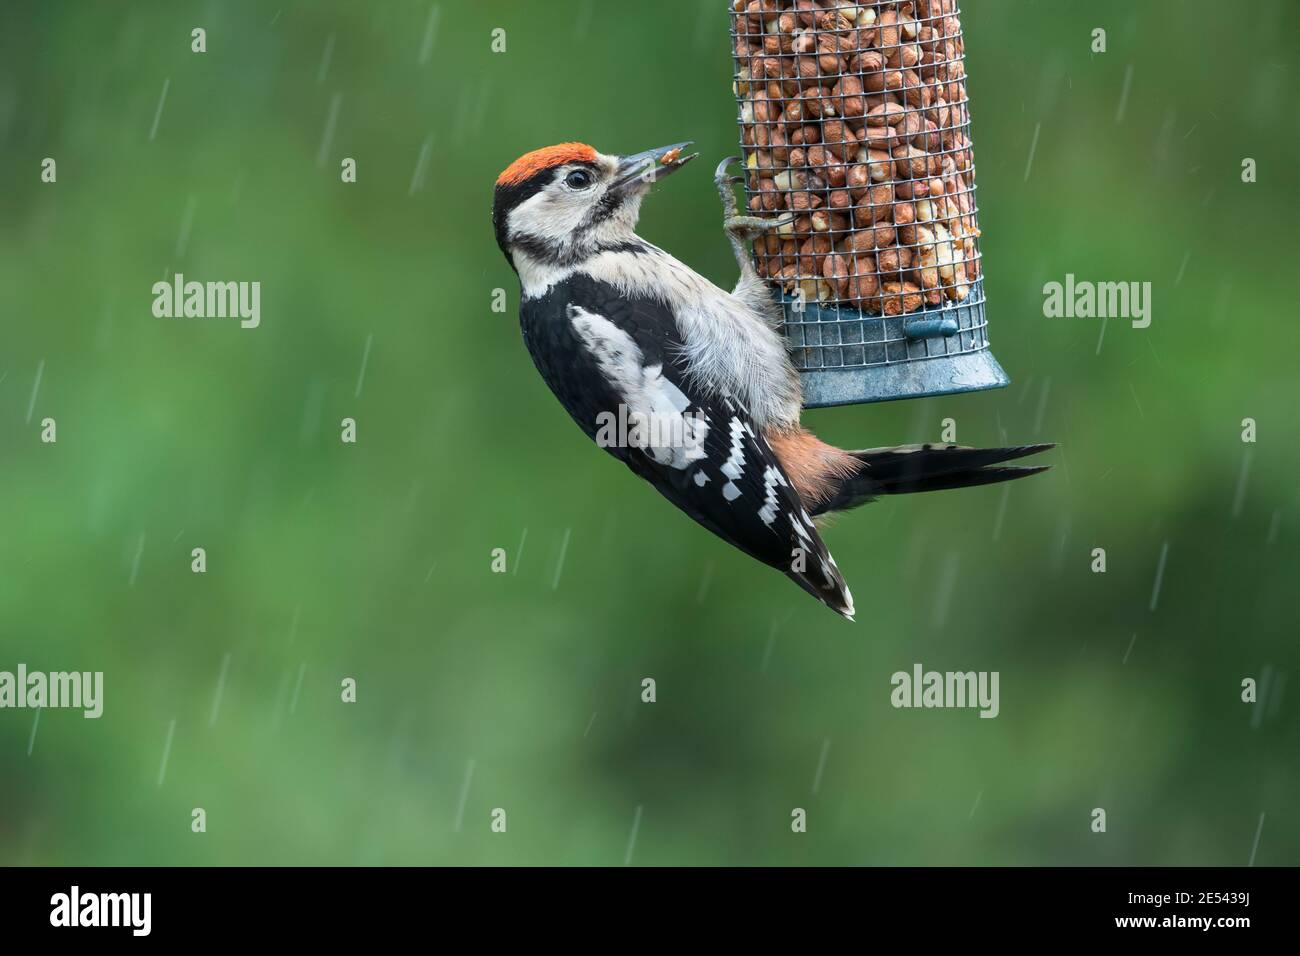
pixel 729 346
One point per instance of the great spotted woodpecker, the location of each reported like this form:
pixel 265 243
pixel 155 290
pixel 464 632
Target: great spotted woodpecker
pixel 622 331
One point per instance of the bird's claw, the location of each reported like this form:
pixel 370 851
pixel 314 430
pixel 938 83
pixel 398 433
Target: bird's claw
pixel 720 172
pixel 724 181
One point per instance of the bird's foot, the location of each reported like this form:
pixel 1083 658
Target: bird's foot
pixel 724 181
pixel 740 229
pixel 748 228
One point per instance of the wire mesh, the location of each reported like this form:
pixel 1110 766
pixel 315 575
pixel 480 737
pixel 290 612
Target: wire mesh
pixel 855 130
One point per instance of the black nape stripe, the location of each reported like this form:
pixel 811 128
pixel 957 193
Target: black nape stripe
pixel 543 251
pixel 633 247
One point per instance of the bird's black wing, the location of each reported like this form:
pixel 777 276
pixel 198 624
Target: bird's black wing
pixel 615 362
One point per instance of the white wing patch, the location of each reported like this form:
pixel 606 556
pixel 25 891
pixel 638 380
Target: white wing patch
pixel 654 417
pixel 771 478
pixel 733 467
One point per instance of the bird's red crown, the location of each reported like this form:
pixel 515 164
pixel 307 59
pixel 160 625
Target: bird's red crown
pixel 548 157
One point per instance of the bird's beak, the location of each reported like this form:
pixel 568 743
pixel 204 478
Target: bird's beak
pixel 649 167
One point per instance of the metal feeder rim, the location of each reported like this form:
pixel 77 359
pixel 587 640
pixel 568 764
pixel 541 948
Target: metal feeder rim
pixel 921 378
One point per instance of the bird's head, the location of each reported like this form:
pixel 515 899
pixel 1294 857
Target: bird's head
pixel 559 205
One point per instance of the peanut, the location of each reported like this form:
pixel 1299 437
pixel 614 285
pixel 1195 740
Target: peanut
pixel 900 298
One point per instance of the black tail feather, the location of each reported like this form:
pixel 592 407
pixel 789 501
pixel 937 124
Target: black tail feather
pixel 908 469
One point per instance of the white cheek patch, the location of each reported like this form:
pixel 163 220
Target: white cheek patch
pixel 548 214
pixel 656 409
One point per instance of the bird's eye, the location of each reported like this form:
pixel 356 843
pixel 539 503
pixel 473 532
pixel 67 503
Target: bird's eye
pixel 578 179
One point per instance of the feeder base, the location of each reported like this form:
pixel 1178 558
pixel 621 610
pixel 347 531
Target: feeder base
pixel 941 375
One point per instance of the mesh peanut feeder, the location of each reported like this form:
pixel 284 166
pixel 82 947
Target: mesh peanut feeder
pixel 855 127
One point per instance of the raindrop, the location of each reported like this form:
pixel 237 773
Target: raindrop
pixel 1033 148
pixel 135 563
pixel 519 552
pixel 421 165
pixel 365 357
pixel 464 795
pixel 325 58
pixel 430 33
pixel 1239 497
pixel 631 840
pixel 31 741
pixel 1255 848
pixel 1123 96
pixel 167 751
pixel 297 688
pixel 153 130
pixel 331 121
pixel 187 222
pixel 1002 511
pixel 559 565
pixel 36 388
pixel 1135 400
pixel 1160 576
pixel 221 690
pixel 943 595
pixel 821 766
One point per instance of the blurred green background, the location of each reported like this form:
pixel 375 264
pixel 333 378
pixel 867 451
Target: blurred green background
pixel 522 690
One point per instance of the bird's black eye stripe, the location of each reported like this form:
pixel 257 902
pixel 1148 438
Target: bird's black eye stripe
pixel 579 179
